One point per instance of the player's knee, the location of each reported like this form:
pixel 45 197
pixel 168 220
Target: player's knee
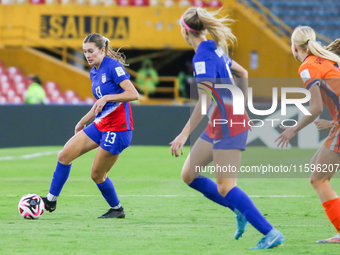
pixel 62 158
pixel 223 189
pixel 97 178
pixel 186 177
pixel 318 182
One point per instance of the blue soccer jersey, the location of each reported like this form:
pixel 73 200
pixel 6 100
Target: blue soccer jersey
pixel 105 81
pixel 212 64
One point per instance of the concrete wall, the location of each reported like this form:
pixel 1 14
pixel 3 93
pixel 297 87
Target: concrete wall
pixel 34 125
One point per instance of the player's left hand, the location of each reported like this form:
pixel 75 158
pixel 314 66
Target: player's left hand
pixel 99 105
pixel 178 143
pixel 285 136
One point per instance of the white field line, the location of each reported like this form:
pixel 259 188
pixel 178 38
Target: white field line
pixel 28 156
pixel 254 196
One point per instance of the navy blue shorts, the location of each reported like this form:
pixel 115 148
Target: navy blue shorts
pixel 233 142
pixel 112 141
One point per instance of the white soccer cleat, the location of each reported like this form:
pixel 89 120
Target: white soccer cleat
pixel 334 239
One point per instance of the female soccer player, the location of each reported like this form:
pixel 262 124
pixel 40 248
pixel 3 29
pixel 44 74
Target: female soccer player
pixel 221 144
pixel 111 131
pixel 321 75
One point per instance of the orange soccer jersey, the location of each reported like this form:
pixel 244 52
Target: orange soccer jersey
pixel 325 74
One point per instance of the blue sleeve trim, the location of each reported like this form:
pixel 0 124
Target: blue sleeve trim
pixel 313 83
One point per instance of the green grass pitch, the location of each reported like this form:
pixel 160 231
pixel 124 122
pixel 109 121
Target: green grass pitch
pixel 163 215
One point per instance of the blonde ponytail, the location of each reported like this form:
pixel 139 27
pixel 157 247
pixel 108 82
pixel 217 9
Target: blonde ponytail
pixel 305 38
pixel 199 19
pixel 334 47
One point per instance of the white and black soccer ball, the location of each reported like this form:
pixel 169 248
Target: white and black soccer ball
pixel 31 206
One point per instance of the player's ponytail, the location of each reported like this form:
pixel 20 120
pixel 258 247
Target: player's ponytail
pixel 305 38
pixel 334 47
pixel 115 54
pixel 199 19
pixel 100 42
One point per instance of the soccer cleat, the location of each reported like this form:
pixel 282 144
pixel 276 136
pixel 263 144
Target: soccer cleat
pixel 241 224
pixel 334 239
pixel 271 240
pixel 113 213
pixel 49 205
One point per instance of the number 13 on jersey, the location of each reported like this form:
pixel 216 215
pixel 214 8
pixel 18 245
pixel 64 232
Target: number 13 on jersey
pixel 98 93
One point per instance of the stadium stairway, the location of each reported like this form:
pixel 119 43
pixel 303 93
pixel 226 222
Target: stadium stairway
pixel 323 16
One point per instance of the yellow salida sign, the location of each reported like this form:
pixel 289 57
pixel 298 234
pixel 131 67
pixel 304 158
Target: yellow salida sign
pixel 77 26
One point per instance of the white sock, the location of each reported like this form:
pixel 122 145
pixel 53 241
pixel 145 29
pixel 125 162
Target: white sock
pixel 117 206
pixel 51 197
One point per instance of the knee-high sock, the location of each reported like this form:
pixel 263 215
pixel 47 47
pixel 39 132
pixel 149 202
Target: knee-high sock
pixel 109 192
pixel 209 189
pixel 242 202
pixel 60 176
pixel 332 209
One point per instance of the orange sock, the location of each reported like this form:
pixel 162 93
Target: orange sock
pixel 332 209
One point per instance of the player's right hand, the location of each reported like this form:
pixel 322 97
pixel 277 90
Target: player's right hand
pixel 79 127
pixel 322 124
pixel 178 143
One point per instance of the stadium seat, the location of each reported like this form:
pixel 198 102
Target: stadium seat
pixel 3 78
pixel 20 88
pixel 123 2
pixel 37 1
pixel 3 100
pixel 184 3
pixel 71 97
pixel 320 15
pixel 89 100
pixel 14 85
pixel 13 70
pixel 4 88
pixel 139 2
pixel 10 96
pixel 199 3
pixel 215 4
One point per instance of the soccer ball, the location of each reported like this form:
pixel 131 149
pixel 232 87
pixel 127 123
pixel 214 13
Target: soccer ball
pixel 31 206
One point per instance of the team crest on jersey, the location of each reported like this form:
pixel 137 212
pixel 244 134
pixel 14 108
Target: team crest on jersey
pixel 103 78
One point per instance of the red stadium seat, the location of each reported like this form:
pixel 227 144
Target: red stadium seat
pixel 20 88
pixel 123 2
pixel 60 100
pixel 139 2
pixel 17 100
pixel 18 78
pixel 10 96
pixel 3 78
pixel 199 3
pixel 13 70
pixel 54 96
pixel 89 100
pixel 184 3
pixel 215 4
pixel 4 88
pixel 37 1
pixel 71 97
pixel 3 100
